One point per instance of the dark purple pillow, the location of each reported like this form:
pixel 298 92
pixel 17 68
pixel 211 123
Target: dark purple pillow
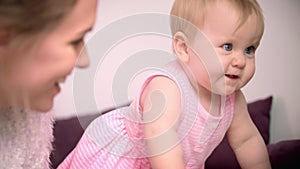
pixel 260 114
pixel 285 154
pixel 223 156
pixel 67 133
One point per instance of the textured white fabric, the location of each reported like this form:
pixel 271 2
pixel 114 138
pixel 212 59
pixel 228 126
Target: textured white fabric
pixel 25 139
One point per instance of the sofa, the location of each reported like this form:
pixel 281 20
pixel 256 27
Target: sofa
pixel 283 155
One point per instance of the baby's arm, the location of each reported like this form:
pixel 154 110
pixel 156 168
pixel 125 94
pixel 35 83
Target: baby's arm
pixel 161 105
pixel 245 139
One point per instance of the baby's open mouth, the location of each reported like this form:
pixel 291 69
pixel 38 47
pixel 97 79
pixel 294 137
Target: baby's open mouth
pixel 232 76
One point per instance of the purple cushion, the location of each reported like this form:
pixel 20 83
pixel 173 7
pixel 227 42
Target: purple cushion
pixel 223 156
pixel 260 114
pixel 67 133
pixel 285 154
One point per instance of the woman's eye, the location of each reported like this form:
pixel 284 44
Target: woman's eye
pixel 77 43
pixel 249 50
pixel 227 47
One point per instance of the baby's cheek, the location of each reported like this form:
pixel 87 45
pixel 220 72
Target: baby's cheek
pixel 248 75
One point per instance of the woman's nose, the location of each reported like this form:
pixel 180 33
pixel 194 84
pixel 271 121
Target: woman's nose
pixel 83 60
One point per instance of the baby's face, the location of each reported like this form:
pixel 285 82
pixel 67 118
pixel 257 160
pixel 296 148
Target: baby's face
pixel 233 64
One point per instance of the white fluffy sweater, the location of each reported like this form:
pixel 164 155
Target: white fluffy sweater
pixel 25 139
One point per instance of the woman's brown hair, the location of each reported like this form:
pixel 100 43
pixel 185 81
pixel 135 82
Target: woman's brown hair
pixel 23 16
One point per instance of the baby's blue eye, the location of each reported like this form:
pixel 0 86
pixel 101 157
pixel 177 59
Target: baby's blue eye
pixel 227 47
pixel 249 50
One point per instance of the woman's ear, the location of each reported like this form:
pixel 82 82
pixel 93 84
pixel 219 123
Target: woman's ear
pixel 4 37
pixel 180 46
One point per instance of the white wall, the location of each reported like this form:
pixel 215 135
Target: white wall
pixel 277 62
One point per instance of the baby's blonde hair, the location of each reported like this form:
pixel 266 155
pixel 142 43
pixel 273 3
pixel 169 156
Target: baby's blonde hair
pixel 186 15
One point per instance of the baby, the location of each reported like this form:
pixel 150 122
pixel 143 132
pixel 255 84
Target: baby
pixel 184 110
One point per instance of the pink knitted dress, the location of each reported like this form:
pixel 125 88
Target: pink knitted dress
pixel 115 139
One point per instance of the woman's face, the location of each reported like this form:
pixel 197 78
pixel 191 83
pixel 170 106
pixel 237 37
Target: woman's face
pixel 32 75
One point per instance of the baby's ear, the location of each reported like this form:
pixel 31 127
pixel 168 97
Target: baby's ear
pixel 180 46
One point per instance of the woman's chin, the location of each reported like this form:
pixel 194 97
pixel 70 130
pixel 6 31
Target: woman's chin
pixel 42 106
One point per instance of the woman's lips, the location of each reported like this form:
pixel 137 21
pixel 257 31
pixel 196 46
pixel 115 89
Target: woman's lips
pixel 57 86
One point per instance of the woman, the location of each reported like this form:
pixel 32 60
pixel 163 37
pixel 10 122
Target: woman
pixel 39 46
